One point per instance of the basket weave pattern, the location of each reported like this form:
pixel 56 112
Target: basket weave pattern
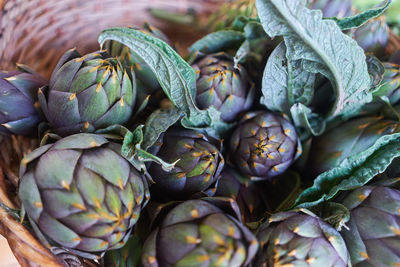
pixel 37 33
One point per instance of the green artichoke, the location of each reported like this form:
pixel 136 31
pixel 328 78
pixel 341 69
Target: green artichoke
pixel 199 164
pixel 145 79
pixel 222 85
pixel 352 137
pixel 18 102
pixel 82 194
pixel 250 196
pixel 88 93
pixel 333 8
pixel 373 231
pixel 373 36
pixel 200 233
pixel 299 238
pixel 264 145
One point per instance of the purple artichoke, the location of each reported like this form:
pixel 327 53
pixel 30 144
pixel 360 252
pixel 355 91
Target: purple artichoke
pixel 222 85
pixel 299 238
pixel 264 145
pixel 82 194
pixel 333 8
pixel 197 170
pixel 88 93
pixel 373 234
pixel 18 102
pixel 200 233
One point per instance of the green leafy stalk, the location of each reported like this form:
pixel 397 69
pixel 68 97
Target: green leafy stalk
pixel 218 41
pixel 323 48
pixel 175 76
pixel 363 17
pixel 353 172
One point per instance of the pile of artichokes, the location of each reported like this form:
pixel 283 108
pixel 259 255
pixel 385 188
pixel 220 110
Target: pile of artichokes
pixel 264 146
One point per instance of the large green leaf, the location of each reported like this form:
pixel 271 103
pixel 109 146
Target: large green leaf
pixel 285 82
pixel 353 172
pixel 322 48
pixel 176 77
pixel 361 18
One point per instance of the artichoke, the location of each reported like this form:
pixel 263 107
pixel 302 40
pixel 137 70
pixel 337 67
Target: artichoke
pixel 18 102
pixel 82 194
pixel 391 82
pixel 299 238
pixel 352 137
pixel 200 233
pixel 199 164
pixel 145 79
pixel 88 93
pixel 373 36
pixel 264 145
pixel 373 231
pixel 127 256
pixel 333 8
pixel 222 85
pixel 250 196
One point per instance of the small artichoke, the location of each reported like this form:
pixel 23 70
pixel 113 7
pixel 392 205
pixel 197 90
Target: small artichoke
pixel 352 137
pixel 199 164
pixel 299 238
pixel 82 194
pixel 372 236
pixel 333 8
pixel 373 36
pixel 200 233
pixel 249 195
pixel 145 79
pixel 264 145
pixel 88 93
pixel 127 256
pixel 222 85
pixel 391 82
pixel 18 102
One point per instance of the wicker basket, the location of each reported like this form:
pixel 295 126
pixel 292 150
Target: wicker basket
pixel 37 33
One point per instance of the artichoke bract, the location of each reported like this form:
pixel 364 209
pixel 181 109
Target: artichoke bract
pixel 200 233
pixel 372 236
pixel 88 93
pixel 127 256
pixel 352 137
pixel 82 194
pixel 299 238
pixel 249 195
pixel 18 102
pixel 146 81
pixel 373 36
pixel 222 85
pixel 333 8
pixel 199 164
pixel 264 145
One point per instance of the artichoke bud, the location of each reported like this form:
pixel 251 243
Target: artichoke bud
pixel 200 233
pixel 82 194
pixel 197 169
pixel 352 137
pixel 264 145
pixel 372 235
pixel 222 85
pixel 391 82
pixel 300 238
pixel 373 36
pixel 250 196
pixel 333 8
pixel 19 106
pixel 88 93
pixel 146 81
